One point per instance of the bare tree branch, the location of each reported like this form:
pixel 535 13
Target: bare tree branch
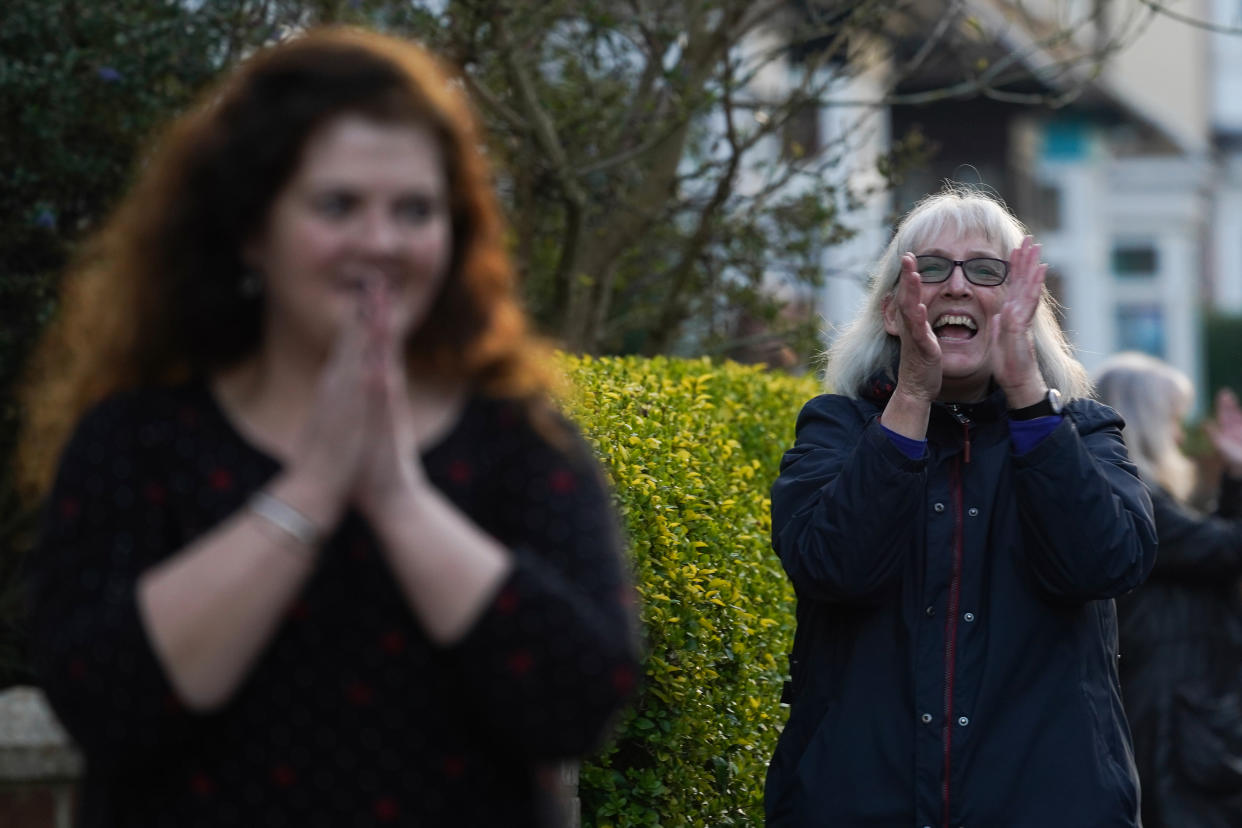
pixel 949 18
pixel 543 129
pixel 634 194
pixel 493 103
pixel 681 272
pixel 1206 25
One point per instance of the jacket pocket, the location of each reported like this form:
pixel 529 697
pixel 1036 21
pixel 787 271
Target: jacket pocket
pixel 1114 756
pixel 805 719
pixel 1207 737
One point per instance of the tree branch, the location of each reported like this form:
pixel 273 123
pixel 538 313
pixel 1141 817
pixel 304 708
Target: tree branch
pixel 1218 28
pixel 542 128
pixel 673 313
pixel 605 164
pixel 494 104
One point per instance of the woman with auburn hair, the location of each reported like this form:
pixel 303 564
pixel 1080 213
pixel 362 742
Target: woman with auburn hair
pixel 1181 632
pixel 319 550
pixel 956 518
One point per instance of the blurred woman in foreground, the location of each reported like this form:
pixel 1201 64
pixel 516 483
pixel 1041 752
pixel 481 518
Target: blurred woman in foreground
pixel 319 551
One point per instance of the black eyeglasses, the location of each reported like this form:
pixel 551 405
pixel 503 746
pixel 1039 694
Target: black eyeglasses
pixel 982 272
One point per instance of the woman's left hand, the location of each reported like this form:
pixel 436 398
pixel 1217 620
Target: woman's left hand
pixel 389 470
pixel 1225 431
pixel 1014 365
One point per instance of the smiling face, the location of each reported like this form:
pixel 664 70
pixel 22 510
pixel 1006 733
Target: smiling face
pixel 369 200
pixel 961 315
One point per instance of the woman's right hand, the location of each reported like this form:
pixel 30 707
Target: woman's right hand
pixel 919 373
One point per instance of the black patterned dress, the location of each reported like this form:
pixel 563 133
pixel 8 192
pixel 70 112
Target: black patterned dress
pixel 352 716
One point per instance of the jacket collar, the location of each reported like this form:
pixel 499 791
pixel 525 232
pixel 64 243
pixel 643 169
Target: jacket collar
pixel 880 387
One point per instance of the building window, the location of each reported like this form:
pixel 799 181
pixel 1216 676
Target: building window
pixel 1047 207
pixel 1141 328
pixel 801 136
pixel 1039 204
pixel 1135 259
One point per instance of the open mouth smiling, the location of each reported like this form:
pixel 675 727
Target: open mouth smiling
pixel 954 326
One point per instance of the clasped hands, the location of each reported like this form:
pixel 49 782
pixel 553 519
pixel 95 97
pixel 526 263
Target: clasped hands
pixel 358 442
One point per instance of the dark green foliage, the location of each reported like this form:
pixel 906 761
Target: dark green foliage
pixel 81 85
pixel 1222 341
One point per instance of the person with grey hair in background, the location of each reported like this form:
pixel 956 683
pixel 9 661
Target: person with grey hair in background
pixel 1181 633
pixel 956 518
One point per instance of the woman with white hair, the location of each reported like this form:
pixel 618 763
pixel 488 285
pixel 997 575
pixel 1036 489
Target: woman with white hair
pixel 956 518
pixel 1181 633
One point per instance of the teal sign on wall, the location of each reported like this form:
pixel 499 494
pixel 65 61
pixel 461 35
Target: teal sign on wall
pixel 1066 140
pixel 1141 328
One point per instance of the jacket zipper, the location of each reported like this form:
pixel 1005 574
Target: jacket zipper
pixel 965 421
pixel 955 595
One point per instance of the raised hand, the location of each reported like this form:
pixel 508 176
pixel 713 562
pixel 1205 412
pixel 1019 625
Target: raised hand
pixel 1225 431
pixel 919 372
pixel 1014 365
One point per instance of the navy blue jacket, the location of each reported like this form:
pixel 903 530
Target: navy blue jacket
pixel 955 656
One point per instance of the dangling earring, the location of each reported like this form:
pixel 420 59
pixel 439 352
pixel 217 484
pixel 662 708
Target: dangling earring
pixel 251 284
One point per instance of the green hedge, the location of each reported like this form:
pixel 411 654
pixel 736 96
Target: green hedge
pixel 692 448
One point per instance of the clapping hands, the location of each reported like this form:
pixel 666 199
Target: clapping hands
pixel 1014 364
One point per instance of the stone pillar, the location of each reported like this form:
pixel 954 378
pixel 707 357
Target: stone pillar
pixel 557 788
pixel 38 764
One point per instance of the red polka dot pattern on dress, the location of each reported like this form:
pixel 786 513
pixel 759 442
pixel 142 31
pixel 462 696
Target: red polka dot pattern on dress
pixel 283 776
pixel 520 662
pixel 393 642
pixel 172 704
pixel 202 785
pixel 359 693
pixel 221 480
pixel 507 601
pixel 460 472
pixel 623 679
pixel 386 809
pixel 454 766
pixel 562 481
pixel 155 494
pixel 299 610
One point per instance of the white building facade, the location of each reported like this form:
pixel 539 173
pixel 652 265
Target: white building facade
pixel 1135 216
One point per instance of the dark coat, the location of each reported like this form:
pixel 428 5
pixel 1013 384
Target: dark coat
pixel 1181 666
pixel 955 656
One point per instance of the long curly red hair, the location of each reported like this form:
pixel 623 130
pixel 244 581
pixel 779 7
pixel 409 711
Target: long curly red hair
pixel 154 297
